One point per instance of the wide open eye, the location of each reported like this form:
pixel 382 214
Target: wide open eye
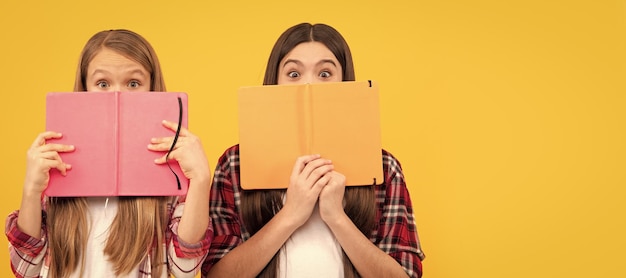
pixel 293 74
pixel 134 84
pixel 325 74
pixel 102 84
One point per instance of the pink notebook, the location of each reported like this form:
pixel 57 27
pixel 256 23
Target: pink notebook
pixel 111 132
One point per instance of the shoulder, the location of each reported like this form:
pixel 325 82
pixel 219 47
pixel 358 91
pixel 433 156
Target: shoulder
pixel 229 157
pixel 230 152
pixel 390 162
pixel 395 183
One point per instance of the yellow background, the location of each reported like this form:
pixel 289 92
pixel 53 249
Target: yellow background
pixel 507 116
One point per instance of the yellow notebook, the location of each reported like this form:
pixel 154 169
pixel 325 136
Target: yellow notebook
pixel 338 120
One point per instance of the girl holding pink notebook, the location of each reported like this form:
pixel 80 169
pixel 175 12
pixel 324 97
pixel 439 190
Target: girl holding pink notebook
pixel 129 236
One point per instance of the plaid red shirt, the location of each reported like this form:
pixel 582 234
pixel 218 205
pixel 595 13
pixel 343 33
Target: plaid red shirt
pixel 29 255
pixel 396 233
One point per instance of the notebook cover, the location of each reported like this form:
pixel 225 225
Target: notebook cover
pixel 338 120
pixel 111 132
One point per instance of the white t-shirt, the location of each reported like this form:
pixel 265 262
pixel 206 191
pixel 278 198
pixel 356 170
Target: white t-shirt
pixel 311 251
pixel 102 211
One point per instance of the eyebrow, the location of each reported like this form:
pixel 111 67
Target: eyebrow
pixel 139 71
pixel 299 63
pixel 292 61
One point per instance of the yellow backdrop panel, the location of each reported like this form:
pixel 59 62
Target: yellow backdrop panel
pixel 507 116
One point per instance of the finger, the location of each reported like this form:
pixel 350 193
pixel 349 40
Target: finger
pixel 55 164
pixel 301 162
pixel 319 172
pixel 320 183
pixel 161 160
pixel 164 158
pixel 174 126
pixel 42 137
pixel 316 168
pixel 46 157
pixel 164 144
pixel 57 148
pixel 52 155
pixel 336 178
pixel 62 167
pixel 41 156
pixel 159 140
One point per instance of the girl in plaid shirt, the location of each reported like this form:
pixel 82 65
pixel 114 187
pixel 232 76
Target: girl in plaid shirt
pixel 317 227
pixel 115 236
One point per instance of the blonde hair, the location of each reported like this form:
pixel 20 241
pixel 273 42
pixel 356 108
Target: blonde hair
pixel 124 42
pixel 141 222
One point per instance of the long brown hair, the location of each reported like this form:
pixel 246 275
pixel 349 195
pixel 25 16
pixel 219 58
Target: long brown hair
pixel 259 206
pixel 140 222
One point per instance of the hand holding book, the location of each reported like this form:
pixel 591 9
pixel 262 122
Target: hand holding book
pixel 188 152
pixel 40 159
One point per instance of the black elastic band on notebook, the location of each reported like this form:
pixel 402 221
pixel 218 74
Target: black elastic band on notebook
pixel 180 123
pixel 370 81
